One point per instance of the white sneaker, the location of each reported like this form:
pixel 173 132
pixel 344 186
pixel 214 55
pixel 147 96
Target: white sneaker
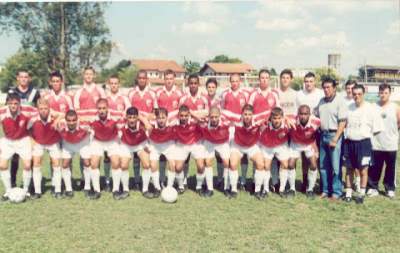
pixel 390 194
pixel 372 193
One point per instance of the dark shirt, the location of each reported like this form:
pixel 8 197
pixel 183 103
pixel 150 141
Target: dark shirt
pixel 29 97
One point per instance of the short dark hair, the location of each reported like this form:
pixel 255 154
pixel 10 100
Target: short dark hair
pixel 276 111
pixel 287 72
pixel 194 76
pixel 184 108
pixel 329 80
pixel 247 107
pixel 264 71
pixel 101 100
pixel 309 74
pixel 358 86
pixel 211 80
pixel 22 70
pixel 71 113
pixel 159 111
pixel 56 74
pixel 132 111
pixel 13 96
pixel 384 86
pixel 350 82
pixel 169 72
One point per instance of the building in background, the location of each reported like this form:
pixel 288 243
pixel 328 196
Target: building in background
pixel 155 70
pixel 334 62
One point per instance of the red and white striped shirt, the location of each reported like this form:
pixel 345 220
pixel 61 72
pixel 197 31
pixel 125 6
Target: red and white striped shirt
pixel 271 137
pixel 144 100
pixel 263 102
pixel 194 103
pixel 118 102
pixel 232 103
pixel 44 132
pixel 246 136
pixel 305 134
pixel 60 102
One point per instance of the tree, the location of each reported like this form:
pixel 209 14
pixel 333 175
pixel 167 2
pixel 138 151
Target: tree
pixel 297 83
pixel 225 59
pixel 107 72
pixel 67 36
pixel 127 76
pixel 324 72
pixel 191 67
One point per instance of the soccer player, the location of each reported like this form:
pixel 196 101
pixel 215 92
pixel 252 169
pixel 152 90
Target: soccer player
pixel 58 100
pixel 216 139
pixel 75 140
pixel 245 140
pixel 194 100
pixel 134 140
pixel 363 122
pixel 16 140
pixel 169 95
pixel 303 140
pixel 105 139
pixel 188 142
pixel 274 143
pixel 385 145
pixel 45 137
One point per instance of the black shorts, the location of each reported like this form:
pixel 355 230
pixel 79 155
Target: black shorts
pixel 357 154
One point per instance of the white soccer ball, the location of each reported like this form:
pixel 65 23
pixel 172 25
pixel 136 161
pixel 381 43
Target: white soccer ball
pixel 17 195
pixel 169 195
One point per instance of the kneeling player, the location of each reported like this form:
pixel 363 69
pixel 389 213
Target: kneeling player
pixel 245 143
pixel 274 143
pixel 134 140
pixel 46 138
pixel 216 141
pixel 75 140
pixel 303 139
pixel 188 142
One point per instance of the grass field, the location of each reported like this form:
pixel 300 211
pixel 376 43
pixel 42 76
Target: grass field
pixel 194 224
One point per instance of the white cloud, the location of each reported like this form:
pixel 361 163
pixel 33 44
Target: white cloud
pixel 279 24
pixel 201 27
pixel 334 41
pixel 394 28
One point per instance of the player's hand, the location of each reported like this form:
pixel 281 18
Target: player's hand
pixel 332 143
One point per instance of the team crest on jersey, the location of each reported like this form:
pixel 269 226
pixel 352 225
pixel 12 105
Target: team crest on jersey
pixel 308 134
pixel 281 135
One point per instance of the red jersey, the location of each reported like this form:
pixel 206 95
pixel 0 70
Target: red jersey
pixel 75 136
pixel 105 130
pixel 214 102
pixel 246 136
pixel 133 137
pixel 263 103
pixel 44 133
pixel 232 103
pixel 168 99
pixel 216 135
pixel 144 100
pixel 161 135
pixel 271 137
pixel 187 134
pixel 118 102
pixel 86 97
pixel 194 103
pixel 14 128
pixel 305 134
pixel 59 102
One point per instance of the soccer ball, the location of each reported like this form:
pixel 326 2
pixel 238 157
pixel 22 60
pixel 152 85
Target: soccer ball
pixel 169 195
pixel 16 195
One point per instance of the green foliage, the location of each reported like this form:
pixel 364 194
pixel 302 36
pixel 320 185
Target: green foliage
pixel 322 73
pixel 191 67
pixel 107 72
pixel 225 59
pixel 127 76
pixel 24 59
pixel 297 83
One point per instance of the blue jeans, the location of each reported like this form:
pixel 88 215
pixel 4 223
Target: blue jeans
pixel 330 165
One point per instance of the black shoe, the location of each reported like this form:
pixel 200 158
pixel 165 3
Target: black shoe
pixel 283 195
pixel 291 193
pixel 241 186
pixel 136 186
pixel 347 199
pixel 148 195
pixel 234 195
pixel 181 190
pixel 69 194
pixel 220 184
pixel 227 193
pixel 264 194
pixel 95 195
pixel 208 194
pixel 116 195
pixel 156 193
pixel 80 185
pixel 86 193
pixel 36 196
pixel 58 195
pixel 199 192
pixel 53 192
pixel 359 200
pixel 107 187
pixel 310 194
pixel 257 195
pixel 124 195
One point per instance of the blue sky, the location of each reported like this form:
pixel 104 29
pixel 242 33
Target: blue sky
pixel 275 34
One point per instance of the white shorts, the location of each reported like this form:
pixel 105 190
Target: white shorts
pixel 249 151
pixel 223 149
pixel 97 148
pixel 22 147
pixel 281 152
pixel 54 150
pixel 158 149
pixel 82 148
pixel 296 149
pixel 182 151
pixel 127 150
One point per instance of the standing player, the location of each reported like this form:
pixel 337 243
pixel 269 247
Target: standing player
pixel 45 138
pixel 58 100
pixel 16 140
pixel 245 140
pixel 303 140
pixel 169 95
pixel 274 143
pixel 385 145
pixel 363 121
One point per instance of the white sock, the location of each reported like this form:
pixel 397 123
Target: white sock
pixel 155 176
pixel 180 177
pixel 37 179
pixel 362 191
pixel 258 179
pixel 95 177
pixel 125 180
pixel 283 177
pixel 233 178
pixel 146 174
pixel 267 176
pixel 26 179
pixel 226 178
pixel 66 175
pixel 86 176
pixel 349 191
pixel 57 179
pixel 200 179
pixel 312 178
pixel 209 178
pixel 292 179
pixel 116 178
pixel 170 178
pixel 6 179
pixel 357 183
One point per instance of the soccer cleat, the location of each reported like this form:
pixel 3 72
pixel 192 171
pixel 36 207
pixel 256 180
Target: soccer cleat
pixel 227 193
pixel 156 193
pixel 181 190
pixel 148 195
pixel 291 193
pixel 242 186
pixel 69 194
pixel 233 195
pixel 310 194
pixel 124 194
pixel 199 192
pixel 257 195
pixel 283 195
pixel 86 193
pixel 264 194
pixel 359 200
pixel 37 196
pixel 116 195
pixel 58 195
pixel 372 193
pixel 136 186
pixel 390 194
pixel 95 195
pixel 107 187
pixel 208 193
pixel 347 199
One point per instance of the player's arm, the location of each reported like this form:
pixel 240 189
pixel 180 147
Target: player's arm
pixel 145 122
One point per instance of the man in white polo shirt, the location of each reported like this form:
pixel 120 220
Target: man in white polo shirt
pixel 363 122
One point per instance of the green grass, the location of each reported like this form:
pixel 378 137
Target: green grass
pixel 194 224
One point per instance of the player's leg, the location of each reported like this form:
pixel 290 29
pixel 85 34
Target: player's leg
pixel 37 176
pixel 14 169
pixel 375 172
pixel 259 173
pixel 124 160
pixel 312 175
pixel 154 173
pixel 220 169
pixel 267 176
pixel 233 173
pixel 95 175
pixel 55 164
pixel 389 180
pixel 27 174
pixel 136 171
pixel 66 175
pixel 107 166
pixel 5 177
pixel 186 171
pixel 179 175
pixel 244 165
pixel 292 168
pixel 116 170
pixel 162 161
pixel 200 175
pixel 348 183
pixel 147 174
pixel 284 176
pixel 363 172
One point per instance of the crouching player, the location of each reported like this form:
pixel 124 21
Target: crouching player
pixel 16 140
pixel 245 143
pixel 303 139
pixel 134 140
pixel 216 141
pixel 274 143
pixel 105 139
pixel 188 142
pixel 75 140
pixel 45 138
